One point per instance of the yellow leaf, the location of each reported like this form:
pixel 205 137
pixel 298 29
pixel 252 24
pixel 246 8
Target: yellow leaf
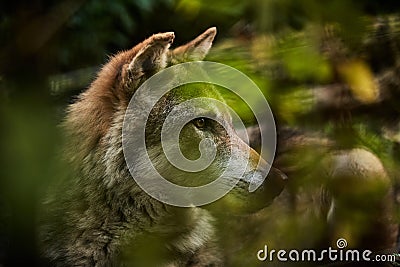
pixel 360 79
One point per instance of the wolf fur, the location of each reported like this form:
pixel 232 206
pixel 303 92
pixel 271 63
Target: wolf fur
pixel 99 216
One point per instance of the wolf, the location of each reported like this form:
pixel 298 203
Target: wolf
pixel 98 215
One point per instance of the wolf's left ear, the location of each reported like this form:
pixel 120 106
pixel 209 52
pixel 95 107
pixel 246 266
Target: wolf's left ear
pixel 151 57
pixel 197 49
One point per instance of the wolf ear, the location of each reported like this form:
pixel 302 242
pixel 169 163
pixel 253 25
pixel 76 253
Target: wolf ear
pixel 197 49
pixel 151 57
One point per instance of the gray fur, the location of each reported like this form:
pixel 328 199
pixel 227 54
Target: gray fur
pixel 98 215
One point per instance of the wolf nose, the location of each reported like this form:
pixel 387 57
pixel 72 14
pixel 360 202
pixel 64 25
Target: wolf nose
pixel 262 173
pixel 256 181
pixel 268 189
pixel 271 186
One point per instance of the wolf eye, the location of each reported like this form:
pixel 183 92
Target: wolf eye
pixel 200 122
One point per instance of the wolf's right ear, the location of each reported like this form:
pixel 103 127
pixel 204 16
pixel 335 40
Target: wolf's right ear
pixel 196 49
pixel 151 57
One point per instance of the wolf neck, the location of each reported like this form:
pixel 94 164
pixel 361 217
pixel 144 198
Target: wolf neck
pixel 117 210
pixel 89 118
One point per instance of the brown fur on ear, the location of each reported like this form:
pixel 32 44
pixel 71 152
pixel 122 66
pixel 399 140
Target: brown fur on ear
pixel 89 118
pixel 197 49
pixel 150 58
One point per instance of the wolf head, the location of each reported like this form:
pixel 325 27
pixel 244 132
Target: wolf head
pixel 107 100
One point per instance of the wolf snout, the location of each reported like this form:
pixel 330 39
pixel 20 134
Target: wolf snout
pixel 256 179
pixel 266 184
